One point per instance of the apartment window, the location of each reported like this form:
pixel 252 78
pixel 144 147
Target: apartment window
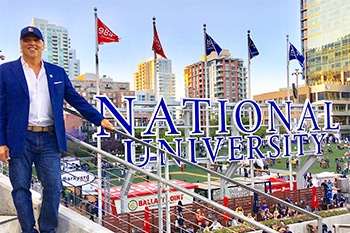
pixel 346 95
pixel 320 96
pixel 332 95
pixel 339 107
pixel 302 98
pixel 313 97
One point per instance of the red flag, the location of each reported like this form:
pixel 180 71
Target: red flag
pixel 157 47
pixel 104 34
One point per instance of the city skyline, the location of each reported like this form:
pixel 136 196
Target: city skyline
pixel 180 28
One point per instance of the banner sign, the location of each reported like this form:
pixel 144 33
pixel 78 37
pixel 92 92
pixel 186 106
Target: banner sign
pixel 77 178
pixel 281 187
pixel 238 191
pixel 275 115
pixel 145 194
pixel 140 202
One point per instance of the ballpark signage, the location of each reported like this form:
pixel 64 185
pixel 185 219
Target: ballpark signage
pixel 145 194
pixel 139 203
pixel 162 113
pixel 77 178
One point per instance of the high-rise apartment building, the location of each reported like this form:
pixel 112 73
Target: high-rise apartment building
pixel 85 85
pixel 165 79
pixel 325 35
pixel 227 78
pixel 56 43
pixel 74 64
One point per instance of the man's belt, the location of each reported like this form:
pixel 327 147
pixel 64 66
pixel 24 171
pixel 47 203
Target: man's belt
pixel 41 128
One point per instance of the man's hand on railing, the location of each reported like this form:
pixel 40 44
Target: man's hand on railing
pixel 4 154
pixel 107 125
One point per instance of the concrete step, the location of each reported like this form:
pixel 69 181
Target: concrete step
pixel 69 220
pixel 9 224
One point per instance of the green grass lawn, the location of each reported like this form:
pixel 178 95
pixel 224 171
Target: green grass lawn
pixel 198 175
pixel 201 176
pixel 315 168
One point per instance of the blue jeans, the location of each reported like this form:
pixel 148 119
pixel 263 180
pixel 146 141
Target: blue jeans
pixel 41 149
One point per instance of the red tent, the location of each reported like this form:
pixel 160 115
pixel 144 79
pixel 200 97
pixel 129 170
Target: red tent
pixel 276 180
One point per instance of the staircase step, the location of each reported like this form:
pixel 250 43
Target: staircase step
pixel 9 224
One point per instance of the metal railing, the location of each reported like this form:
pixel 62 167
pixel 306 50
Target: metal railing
pixel 167 183
pixel 208 171
pixel 180 188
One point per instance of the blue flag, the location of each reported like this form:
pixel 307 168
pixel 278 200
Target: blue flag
pixel 211 46
pixel 253 51
pixel 295 54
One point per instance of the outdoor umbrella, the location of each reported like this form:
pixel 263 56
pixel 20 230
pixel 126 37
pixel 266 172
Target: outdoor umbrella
pixel 180 217
pixel 179 207
pixel 146 226
pixel 226 215
pixel 314 198
pixel 256 204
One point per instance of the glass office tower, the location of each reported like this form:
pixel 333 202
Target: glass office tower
pixel 325 32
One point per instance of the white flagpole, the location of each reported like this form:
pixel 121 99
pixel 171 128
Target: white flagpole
pixel 250 113
pixel 159 168
pixel 206 91
pixel 156 91
pixel 288 93
pixel 206 95
pixel 99 172
pixel 249 83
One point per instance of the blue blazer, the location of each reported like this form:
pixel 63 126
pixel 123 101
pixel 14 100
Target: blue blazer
pixel 14 105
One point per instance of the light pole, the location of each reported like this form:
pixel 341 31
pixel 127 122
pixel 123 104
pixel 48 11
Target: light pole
pixel 296 73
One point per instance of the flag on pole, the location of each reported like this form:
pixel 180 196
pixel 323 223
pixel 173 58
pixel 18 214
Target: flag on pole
pixel 211 45
pixel 253 51
pixel 157 47
pixel 295 54
pixel 104 34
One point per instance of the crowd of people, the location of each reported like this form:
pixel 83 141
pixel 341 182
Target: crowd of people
pixel 204 223
pixel 210 223
pixel 330 198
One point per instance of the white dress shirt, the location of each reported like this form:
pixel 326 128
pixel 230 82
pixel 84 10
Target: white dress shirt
pixel 40 109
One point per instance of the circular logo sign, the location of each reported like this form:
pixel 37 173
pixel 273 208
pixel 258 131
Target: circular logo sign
pixel 132 205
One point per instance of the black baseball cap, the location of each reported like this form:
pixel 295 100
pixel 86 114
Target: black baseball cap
pixel 31 30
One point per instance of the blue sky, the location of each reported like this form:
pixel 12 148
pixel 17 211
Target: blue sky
pixel 179 26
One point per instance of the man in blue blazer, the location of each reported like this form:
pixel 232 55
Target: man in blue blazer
pixel 32 128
